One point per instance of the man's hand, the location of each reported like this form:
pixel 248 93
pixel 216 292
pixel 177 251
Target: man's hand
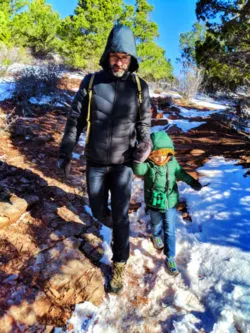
pixel 64 165
pixel 142 151
pixel 197 186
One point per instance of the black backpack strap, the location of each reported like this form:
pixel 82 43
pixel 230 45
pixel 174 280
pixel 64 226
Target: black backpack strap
pixel 139 92
pixel 90 92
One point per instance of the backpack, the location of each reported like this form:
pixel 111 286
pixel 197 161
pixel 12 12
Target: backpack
pixel 90 92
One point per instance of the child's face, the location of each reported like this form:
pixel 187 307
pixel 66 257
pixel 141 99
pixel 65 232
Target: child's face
pixel 160 160
pixel 161 156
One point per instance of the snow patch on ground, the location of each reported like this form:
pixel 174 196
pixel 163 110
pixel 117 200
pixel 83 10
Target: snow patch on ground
pixel 193 113
pixel 185 125
pixel 209 102
pixel 213 255
pixel 106 234
pixel 7 89
pixel 164 94
pixel 72 75
pixel 41 100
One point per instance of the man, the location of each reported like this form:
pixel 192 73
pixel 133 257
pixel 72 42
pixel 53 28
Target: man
pixel 116 121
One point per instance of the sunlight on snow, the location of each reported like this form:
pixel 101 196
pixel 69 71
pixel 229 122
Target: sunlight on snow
pixel 213 254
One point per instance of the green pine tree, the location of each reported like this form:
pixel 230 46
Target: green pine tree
pixel 85 34
pixel 37 27
pixel 8 9
pixel 5 23
pixel 225 52
pixel 188 41
pixel 154 66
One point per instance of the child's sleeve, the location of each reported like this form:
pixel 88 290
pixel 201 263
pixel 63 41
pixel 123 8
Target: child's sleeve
pixel 140 169
pixel 181 174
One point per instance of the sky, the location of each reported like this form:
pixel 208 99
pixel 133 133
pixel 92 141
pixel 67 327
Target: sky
pixel 172 16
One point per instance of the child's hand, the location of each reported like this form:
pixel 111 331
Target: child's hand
pixel 197 186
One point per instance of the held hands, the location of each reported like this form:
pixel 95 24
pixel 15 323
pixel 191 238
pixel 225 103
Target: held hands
pixel 197 185
pixel 142 151
pixel 64 166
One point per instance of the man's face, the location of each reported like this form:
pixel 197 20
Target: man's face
pixel 119 63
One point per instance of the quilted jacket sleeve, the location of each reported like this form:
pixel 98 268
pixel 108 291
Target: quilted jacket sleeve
pixel 143 123
pixel 76 120
pixel 140 169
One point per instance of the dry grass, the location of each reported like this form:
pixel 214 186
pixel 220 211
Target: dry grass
pixel 6 122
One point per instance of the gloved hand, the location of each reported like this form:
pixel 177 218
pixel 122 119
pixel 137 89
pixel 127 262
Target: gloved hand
pixel 142 151
pixel 197 185
pixel 64 165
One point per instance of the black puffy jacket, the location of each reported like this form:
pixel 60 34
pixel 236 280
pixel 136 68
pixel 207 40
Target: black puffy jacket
pixel 116 121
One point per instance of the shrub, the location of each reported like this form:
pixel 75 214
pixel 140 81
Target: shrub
pixel 189 82
pixel 11 55
pixel 6 122
pixel 35 82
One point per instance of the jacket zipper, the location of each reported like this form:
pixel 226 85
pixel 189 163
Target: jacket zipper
pixel 111 127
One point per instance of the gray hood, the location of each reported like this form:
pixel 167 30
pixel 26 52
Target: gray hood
pixel 121 39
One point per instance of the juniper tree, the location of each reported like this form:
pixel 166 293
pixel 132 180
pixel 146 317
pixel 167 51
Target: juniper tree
pixel 225 52
pixel 8 9
pixel 154 65
pixel 37 27
pixel 86 32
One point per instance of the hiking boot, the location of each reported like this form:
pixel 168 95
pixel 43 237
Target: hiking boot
pixel 171 266
pixel 157 242
pixel 116 283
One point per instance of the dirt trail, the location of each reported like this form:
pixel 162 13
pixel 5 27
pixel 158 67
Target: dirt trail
pixel 28 172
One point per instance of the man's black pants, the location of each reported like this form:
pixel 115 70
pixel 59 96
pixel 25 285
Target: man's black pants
pixel 116 179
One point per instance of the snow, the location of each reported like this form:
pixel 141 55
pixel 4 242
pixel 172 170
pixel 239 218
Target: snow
pixel 240 124
pixel 106 234
pixel 47 99
pixel 164 94
pixel 82 139
pixel 158 128
pixel 193 113
pixel 212 293
pixel 73 75
pixel 76 156
pixel 6 89
pixel 213 255
pixel 219 265
pixel 210 104
pixel 40 100
pixel 185 125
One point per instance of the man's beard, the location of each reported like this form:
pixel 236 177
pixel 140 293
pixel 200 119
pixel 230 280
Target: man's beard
pixel 119 73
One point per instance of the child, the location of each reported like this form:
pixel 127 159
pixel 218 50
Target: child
pixel 160 171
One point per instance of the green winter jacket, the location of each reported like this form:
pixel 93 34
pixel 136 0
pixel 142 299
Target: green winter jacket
pixel 167 175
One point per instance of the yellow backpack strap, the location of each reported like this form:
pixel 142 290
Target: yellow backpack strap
pixel 90 92
pixel 138 83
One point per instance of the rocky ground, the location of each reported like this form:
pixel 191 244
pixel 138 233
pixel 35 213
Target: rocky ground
pixel 50 248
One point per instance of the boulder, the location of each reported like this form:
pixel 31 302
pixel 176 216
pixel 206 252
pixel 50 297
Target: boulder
pixel 12 210
pixel 65 275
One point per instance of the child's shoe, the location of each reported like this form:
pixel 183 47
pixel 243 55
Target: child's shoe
pixel 157 241
pixel 171 266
